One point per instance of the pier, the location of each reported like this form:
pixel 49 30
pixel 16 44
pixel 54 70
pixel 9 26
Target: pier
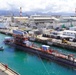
pixel 57 42
pixel 69 45
pixel 6 32
pixel 8 71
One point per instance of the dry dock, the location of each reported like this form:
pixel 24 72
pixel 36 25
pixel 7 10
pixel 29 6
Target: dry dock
pixel 9 71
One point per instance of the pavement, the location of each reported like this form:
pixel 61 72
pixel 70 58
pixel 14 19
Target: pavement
pixel 9 71
pixel 3 73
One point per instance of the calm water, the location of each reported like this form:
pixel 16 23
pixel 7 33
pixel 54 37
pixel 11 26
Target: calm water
pixel 29 64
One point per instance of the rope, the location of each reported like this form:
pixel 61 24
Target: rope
pixel 43 64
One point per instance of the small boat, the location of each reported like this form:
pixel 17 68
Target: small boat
pixel 1 48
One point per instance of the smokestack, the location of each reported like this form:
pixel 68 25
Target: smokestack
pixel 20 11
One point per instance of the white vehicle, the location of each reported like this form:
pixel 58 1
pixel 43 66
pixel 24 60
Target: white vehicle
pixel 68 34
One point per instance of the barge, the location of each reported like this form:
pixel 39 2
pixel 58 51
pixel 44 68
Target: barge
pixel 20 41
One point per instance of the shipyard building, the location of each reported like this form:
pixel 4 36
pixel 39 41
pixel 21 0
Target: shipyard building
pixel 43 21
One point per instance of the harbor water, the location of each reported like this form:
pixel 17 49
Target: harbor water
pixel 30 64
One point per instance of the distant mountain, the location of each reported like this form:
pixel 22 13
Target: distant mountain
pixel 7 13
pixel 16 13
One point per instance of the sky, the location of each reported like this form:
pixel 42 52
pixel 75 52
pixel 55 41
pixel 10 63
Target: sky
pixel 39 5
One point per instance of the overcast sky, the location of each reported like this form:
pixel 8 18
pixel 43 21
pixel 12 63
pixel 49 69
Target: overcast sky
pixel 39 5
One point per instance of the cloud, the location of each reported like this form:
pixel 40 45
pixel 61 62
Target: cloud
pixel 39 5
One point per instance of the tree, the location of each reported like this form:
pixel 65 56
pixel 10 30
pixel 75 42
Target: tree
pixel 71 25
pixel 63 26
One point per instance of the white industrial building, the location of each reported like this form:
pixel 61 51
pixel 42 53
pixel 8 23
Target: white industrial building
pixel 68 21
pixel 43 21
pixel 52 21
